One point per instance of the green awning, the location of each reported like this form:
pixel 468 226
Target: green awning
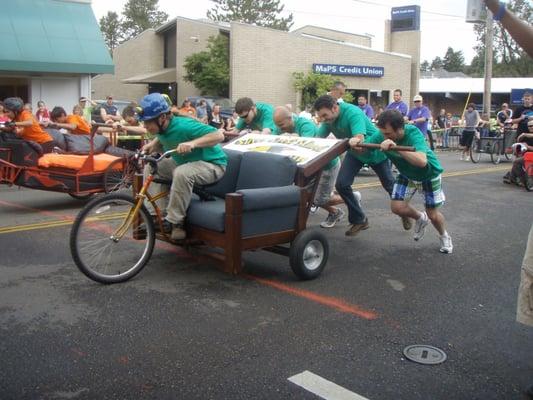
pixel 52 36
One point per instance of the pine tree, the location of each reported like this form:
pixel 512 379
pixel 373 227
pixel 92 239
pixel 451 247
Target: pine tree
pixel 436 64
pixel 454 61
pixel 424 66
pixel 259 12
pixel 110 25
pixel 140 15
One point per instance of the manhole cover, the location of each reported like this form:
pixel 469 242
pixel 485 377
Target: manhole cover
pixel 424 354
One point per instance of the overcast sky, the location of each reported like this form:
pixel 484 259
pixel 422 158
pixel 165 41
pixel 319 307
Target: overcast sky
pixel 442 23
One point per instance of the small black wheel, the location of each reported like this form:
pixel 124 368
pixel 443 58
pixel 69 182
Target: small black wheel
pixel 309 254
pixel 508 156
pixel 528 178
pixel 108 246
pixel 495 154
pixel 119 175
pixel 475 151
pixel 85 196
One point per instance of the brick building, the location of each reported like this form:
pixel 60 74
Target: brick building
pixel 262 61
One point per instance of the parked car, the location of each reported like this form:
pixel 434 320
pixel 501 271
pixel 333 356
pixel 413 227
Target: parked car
pixel 226 105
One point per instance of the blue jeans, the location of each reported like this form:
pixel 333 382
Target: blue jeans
pixel 349 169
pixel 445 137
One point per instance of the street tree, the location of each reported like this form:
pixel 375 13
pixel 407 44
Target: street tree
pixel 510 59
pixel 209 70
pixel 436 64
pixel 424 66
pixel 110 26
pixel 453 61
pixel 313 85
pixel 256 12
pixel 140 15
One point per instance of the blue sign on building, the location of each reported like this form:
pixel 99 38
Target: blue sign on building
pixel 405 18
pixel 517 95
pixel 351 70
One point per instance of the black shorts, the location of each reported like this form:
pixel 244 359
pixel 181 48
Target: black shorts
pixel 466 138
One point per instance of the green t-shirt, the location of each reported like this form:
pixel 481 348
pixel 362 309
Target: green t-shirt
pixel 263 119
pixel 412 137
pixel 184 129
pixel 307 128
pixel 350 122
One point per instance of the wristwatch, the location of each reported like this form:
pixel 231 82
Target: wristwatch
pixel 501 12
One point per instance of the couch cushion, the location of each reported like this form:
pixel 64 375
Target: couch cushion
pixel 228 182
pixel 211 215
pixel 268 221
pixel 260 170
pixel 207 214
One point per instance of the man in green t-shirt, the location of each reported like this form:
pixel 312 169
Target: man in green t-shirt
pixel 199 159
pixel 290 123
pixel 348 121
pixel 255 116
pixel 419 170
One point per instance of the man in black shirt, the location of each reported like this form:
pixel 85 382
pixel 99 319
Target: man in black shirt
pixel 523 114
pixel 109 112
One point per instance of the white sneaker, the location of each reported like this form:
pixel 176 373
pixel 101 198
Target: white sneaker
pixel 332 219
pixel 365 169
pixel 357 196
pixel 446 245
pixel 420 226
pixel 462 156
pixel 467 158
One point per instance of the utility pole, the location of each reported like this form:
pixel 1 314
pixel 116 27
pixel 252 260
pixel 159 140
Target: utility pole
pixel 488 63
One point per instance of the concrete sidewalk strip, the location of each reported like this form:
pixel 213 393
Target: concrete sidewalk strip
pixel 323 388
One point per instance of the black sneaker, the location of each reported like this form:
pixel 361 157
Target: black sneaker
pixel 167 226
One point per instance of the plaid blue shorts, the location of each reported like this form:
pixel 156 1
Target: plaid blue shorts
pixel 405 188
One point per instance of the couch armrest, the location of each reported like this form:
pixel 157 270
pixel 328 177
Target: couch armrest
pixel 272 197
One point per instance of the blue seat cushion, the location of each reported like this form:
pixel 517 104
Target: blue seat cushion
pixel 207 214
pixel 228 182
pixel 211 215
pixel 261 170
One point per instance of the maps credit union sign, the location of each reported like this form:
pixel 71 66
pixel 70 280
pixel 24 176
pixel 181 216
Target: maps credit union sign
pixel 351 70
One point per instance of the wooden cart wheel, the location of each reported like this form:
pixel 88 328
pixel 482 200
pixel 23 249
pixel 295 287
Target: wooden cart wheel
pixel 475 151
pixel 495 154
pixel 309 254
pixel 528 178
pixel 118 175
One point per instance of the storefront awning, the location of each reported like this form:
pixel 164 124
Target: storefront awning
pixel 58 36
pixel 166 75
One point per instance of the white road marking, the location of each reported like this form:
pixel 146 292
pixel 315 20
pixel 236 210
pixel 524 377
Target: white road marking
pixel 396 285
pixel 323 388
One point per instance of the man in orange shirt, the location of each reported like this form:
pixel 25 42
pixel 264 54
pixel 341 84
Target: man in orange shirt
pixel 25 124
pixel 74 123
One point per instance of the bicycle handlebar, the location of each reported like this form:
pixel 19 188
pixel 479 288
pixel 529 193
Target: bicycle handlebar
pixel 153 161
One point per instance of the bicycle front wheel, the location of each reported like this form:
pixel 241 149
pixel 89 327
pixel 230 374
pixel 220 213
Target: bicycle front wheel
pixel 107 244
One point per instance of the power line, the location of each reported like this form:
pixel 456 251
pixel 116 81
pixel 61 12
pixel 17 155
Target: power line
pixel 423 11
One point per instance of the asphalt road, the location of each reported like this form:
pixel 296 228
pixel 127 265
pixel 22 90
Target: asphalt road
pixel 183 330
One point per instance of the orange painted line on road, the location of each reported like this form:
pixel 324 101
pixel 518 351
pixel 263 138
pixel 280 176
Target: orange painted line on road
pixel 332 302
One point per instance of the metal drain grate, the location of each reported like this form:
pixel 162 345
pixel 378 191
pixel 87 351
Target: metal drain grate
pixel 424 354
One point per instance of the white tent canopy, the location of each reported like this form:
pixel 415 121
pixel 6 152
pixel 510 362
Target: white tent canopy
pixel 473 85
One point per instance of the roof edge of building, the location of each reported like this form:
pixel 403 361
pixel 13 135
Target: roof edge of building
pixel 359 46
pixel 331 30
pixel 168 25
